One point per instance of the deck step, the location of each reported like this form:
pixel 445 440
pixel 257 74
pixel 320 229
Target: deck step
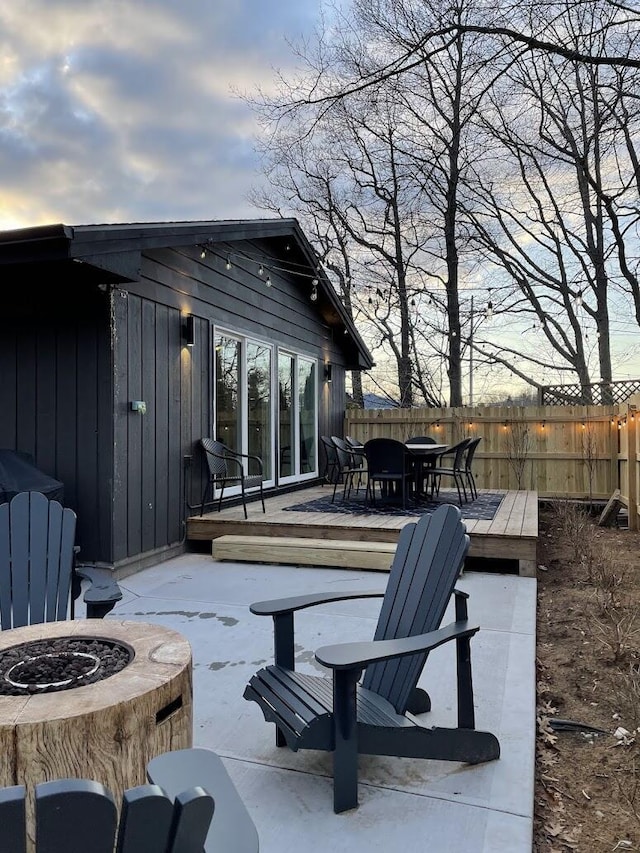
pixel 288 550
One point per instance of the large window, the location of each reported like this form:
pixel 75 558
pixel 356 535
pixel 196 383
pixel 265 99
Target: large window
pixel 251 418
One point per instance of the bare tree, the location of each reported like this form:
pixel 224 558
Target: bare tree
pixel 552 224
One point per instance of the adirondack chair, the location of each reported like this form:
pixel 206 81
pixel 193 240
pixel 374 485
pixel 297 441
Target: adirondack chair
pixel 78 815
pixel 39 578
pixel 348 717
pixel 232 830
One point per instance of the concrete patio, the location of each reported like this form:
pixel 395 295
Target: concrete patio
pixel 406 805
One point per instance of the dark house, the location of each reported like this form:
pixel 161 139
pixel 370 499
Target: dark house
pixel 122 345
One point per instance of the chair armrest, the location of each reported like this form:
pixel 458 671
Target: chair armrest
pixel 279 606
pixel 236 453
pixel 103 592
pixel 359 655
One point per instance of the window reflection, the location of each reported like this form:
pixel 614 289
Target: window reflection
pixel 226 392
pixel 285 414
pixel 259 405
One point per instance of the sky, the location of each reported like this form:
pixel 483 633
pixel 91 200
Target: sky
pixel 128 110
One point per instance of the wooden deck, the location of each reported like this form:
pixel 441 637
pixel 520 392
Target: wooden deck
pixel 511 535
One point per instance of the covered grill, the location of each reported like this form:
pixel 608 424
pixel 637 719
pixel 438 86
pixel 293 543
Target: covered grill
pixel 19 474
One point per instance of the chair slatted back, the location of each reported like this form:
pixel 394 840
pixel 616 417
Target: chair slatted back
pixel 427 563
pixel 37 539
pixel 76 815
pixel 421 439
pixel 214 452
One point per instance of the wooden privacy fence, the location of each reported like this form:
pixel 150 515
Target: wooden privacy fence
pixel 582 452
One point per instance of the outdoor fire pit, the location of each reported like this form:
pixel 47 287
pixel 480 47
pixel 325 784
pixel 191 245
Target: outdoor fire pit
pixel 94 699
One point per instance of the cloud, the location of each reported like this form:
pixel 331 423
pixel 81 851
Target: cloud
pixel 124 111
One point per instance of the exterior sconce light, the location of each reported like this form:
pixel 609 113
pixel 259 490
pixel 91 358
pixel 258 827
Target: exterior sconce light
pixel 328 372
pixel 189 330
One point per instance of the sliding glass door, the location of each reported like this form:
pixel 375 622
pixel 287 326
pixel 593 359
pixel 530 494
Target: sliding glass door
pixel 259 406
pixel 297 417
pixel 251 417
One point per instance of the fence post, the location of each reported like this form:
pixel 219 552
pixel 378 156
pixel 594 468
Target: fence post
pixel 632 454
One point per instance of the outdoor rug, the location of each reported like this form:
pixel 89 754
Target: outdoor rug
pixel 484 507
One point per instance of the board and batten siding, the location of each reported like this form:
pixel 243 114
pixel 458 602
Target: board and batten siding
pixel 155 483
pixel 56 398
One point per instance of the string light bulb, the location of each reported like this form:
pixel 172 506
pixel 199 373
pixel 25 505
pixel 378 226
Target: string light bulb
pixel 268 281
pixel 579 299
pixel 228 264
pixel 489 310
pixel 261 270
pixel 203 253
pixel 314 290
pixel 584 426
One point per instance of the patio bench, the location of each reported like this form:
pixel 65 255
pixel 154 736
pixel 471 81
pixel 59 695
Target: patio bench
pixel 289 550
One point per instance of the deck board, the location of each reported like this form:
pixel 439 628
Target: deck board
pixel 512 534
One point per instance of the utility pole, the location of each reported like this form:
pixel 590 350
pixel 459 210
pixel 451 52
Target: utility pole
pixel 471 357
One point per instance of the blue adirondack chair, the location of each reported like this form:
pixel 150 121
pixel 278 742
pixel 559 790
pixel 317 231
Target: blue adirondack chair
pixel 39 577
pixel 76 815
pixel 348 716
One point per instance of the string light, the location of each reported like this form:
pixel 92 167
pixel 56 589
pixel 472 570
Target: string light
pixel 228 264
pixel 203 253
pixel 489 310
pixel 261 270
pixel 584 426
pixel 268 281
pixel 579 299
pixel 314 290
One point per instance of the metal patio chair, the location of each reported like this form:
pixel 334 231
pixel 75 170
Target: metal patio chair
pixel 388 464
pixel 226 468
pixel 352 464
pixel 455 470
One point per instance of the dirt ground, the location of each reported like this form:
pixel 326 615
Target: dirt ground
pixel 587 795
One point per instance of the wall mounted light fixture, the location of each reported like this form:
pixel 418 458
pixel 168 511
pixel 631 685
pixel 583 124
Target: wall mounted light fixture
pixel 189 330
pixel 328 372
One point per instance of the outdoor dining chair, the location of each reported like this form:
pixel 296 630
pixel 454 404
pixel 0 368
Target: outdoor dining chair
pixel 455 470
pixel 226 468
pixel 331 463
pixel 388 464
pixel 354 443
pixel 351 464
pixel 468 461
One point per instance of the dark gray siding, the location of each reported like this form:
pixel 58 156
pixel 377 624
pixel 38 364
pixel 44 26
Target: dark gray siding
pixel 74 355
pixel 155 483
pixel 151 364
pixel 56 396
